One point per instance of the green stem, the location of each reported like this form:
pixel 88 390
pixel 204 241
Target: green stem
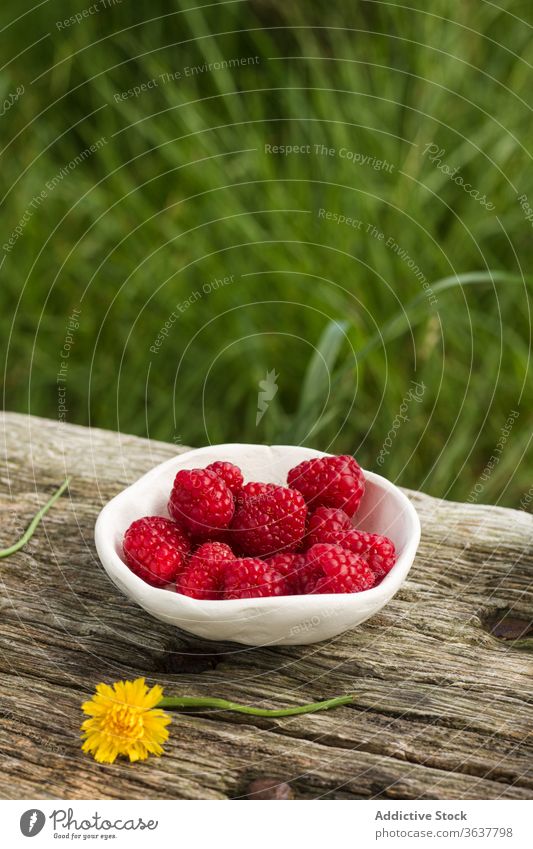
pixel 30 530
pixel 525 644
pixel 177 702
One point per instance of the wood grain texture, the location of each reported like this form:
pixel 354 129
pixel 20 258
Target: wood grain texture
pixel 443 707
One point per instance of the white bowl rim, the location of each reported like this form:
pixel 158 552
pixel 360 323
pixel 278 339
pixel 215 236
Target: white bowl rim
pixel 114 565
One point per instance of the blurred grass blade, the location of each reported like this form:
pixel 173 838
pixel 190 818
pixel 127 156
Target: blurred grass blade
pixel 318 379
pixel 413 313
pixel 317 376
pixel 409 316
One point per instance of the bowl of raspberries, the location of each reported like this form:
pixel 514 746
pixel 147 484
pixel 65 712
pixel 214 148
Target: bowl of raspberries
pixel 258 544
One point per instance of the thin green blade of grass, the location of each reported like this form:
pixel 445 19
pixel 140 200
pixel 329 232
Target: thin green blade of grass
pixel 307 418
pixel 317 380
pixel 401 322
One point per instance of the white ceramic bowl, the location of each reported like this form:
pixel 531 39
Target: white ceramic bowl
pixel 286 620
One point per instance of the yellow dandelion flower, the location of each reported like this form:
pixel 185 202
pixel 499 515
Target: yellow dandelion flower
pixel 124 720
pixel 127 718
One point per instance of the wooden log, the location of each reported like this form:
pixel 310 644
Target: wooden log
pixel 443 706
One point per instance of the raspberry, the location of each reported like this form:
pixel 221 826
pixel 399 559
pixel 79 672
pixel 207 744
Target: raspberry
pixel 329 482
pixel 230 474
pixel 335 570
pixel 248 492
pixel 155 549
pixel 310 573
pixel 252 578
pixel 378 551
pixel 201 502
pixel 268 519
pixel 252 490
pixel 204 576
pixel 291 567
pixel 327 524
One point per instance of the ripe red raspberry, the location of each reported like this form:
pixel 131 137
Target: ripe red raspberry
pixel 253 489
pixel 336 570
pixel 329 482
pixel 155 549
pixel 230 474
pixel 327 524
pixel 310 573
pixel 252 578
pixel 268 519
pixel 204 576
pixel 201 502
pixel 378 551
pixel 291 567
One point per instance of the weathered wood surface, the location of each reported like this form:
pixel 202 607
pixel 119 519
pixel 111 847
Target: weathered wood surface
pixel 443 706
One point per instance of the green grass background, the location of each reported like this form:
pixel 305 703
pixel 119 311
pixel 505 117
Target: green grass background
pixel 183 192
